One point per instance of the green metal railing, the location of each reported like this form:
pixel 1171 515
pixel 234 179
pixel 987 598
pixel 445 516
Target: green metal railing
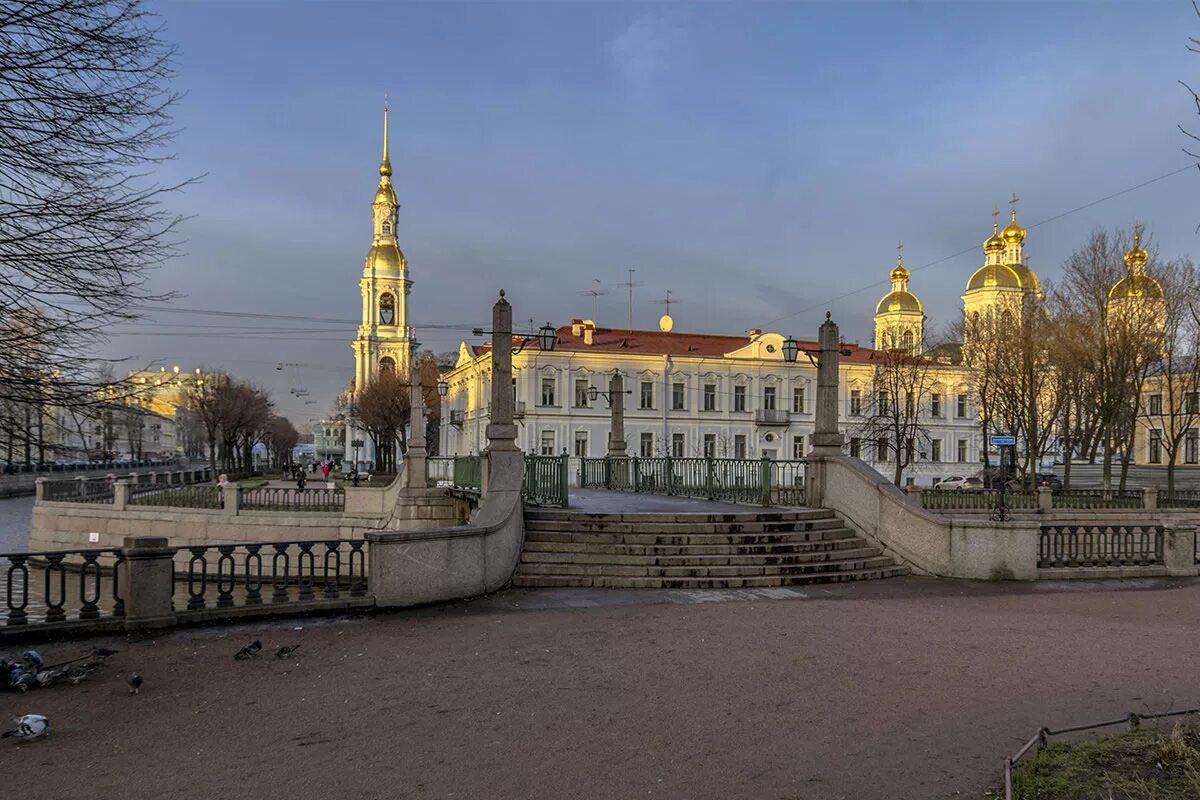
pixel 939 500
pixel 737 480
pixel 1098 498
pixel 459 472
pixel 546 480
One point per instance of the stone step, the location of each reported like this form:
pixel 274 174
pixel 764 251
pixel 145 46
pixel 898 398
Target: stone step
pixel 532 558
pixel 777 571
pixel 705 583
pixel 608 526
pixel 660 539
pixel 783 548
pixel 682 516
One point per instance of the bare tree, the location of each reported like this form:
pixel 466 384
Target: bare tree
pixel 281 436
pixel 894 418
pixel 84 105
pixel 383 409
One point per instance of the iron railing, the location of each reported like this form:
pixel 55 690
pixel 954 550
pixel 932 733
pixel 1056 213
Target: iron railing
pixel 278 499
pixel 1044 735
pixel 79 490
pixel 36 586
pixel 460 472
pixel 940 500
pixel 1097 498
pixel 439 471
pixel 739 480
pixel 198 496
pixel 1083 545
pixel 546 480
pixel 276 573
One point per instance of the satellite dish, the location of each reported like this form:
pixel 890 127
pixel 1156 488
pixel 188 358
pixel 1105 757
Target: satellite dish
pixel 665 323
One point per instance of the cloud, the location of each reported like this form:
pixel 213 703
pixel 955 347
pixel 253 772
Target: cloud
pixel 643 52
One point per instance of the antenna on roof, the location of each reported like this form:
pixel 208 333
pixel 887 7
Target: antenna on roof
pixel 667 302
pixel 595 291
pixel 629 284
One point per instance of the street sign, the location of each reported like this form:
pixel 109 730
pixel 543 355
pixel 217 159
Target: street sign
pixel 1002 441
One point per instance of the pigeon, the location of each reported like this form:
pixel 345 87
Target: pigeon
pixel 103 652
pixel 135 683
pixel 21 681
pixel 249 651
pixel 30 726
pixel 286 651
pixel 32 660
pixel 48 677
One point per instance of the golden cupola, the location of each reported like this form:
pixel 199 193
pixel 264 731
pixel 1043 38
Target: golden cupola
pixel 1136 284
pixel 993 244
pixel 899 317
pixel 385 254
pixel 1013 233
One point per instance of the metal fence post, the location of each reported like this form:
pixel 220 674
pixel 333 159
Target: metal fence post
pixel 636 475
pixel 710 468
pixel 608 473
pixel 765 480
pixel 669 476
pixel 563 469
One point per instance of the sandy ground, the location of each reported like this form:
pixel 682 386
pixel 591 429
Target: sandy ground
pixel 908 688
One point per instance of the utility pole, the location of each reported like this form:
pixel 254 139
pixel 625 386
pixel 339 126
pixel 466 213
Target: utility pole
pixel 629 285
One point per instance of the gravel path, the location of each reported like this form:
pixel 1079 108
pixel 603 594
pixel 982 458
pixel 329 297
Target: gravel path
pixel 916 689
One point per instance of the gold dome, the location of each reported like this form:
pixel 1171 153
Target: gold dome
pixel 1013 233
pixel 1139 287
pixel 1029 280
pixel 1136 258
pixel 993 244
pixel 994 276
pixel 899 301
pixel 900 273
pixel 386 257
pixel 385 194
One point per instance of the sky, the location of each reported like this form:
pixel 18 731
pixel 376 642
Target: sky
pixel 760 161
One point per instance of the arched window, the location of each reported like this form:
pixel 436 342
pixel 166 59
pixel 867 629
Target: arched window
pixel 908 340
pixel 387 364
pixel 387 309
pixel 387 227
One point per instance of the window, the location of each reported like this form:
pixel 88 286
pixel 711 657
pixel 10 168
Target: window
pixel 797 447
pixel 1191 403
pixel 935 450
pixel 387 308
pixel 1191 447
pixel 547 443
pixel 855 402
pixel 647 446
pixel 935 405
pixel 908 341
pixel 581 444
pixel 387 227
pixel 581 393
pixel 739 446
pixel 856 447
pixel 908 451
pixel 909 404
pixel 710 445
pixel 387 364
pixel 647 395
pixel 677 442
pixel 797 399
pixel 769 398
pixel 961 410
pixel 884 401
pixel 677 397
pixel 710 397
pixel 962 450
pixel 881 450
pixel 547 391
pixel 1156 404
pixel 739 398
pixel 1155 447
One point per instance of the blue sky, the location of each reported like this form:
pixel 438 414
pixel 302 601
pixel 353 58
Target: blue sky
pixel 760 160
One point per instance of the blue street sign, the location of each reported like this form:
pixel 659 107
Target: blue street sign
pixel 1001 441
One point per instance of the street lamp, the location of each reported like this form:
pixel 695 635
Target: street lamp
pixel 791 348
pixel 356 443
pixel 593 393
pixel 443 388
pixel 547 338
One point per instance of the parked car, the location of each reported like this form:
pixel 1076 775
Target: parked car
pixel 1051 480
pixel 959 483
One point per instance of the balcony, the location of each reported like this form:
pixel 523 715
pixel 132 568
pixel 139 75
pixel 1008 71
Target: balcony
pixel 456 417
pixel 770 416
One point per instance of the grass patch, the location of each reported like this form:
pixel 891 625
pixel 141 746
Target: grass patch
pixel 1143 764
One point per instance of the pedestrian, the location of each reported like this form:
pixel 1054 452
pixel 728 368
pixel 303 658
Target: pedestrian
pixel 300 483
pixel 325 469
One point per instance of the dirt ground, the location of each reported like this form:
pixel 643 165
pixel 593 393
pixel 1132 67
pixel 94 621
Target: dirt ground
pixel 907 689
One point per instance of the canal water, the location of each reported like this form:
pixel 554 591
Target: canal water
pixel 16 517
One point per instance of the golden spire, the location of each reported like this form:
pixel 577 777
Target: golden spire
pixel 1013 233
pixel 1136 257
pixel 994 244
pixel 385 165
pixel 899 274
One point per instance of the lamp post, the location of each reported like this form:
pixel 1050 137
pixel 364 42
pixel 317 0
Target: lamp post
pixel 356 443
pixel 443 389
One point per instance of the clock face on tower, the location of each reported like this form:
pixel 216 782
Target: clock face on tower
pixel 387 309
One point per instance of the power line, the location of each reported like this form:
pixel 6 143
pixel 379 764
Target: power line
pixel 972 248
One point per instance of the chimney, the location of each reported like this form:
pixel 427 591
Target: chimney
pixel 577 327
pixel 755 332
pixel 589 328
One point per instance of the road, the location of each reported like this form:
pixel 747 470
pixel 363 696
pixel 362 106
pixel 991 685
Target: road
pixel 909 688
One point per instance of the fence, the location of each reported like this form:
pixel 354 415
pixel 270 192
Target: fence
pixel 1180 498
pixel 738 480
pixel 1044 735
pixel 35 586
pixel 1080 545
pixel 1097 498
pixel 176 496
pixel 460 472
pixel 79 490
pixel 88 587
pixel 939 500
pixel 278 499
pixel 546 480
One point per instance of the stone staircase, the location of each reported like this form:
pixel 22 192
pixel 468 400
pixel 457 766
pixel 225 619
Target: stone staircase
pixel 695 550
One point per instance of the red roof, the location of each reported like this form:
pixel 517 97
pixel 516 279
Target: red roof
pixel 659 343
